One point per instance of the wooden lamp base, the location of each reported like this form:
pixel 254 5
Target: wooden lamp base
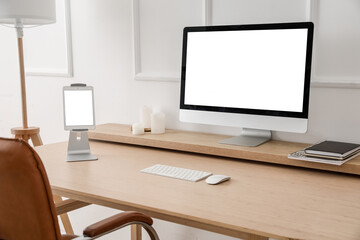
pixel 28 133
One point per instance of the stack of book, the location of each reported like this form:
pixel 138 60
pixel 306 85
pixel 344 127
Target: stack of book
pixel 330 152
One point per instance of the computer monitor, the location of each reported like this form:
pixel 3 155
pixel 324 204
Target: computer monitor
pixel 79 116
pixel 252 76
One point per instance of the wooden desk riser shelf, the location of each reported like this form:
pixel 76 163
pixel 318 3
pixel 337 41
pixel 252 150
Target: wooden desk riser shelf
pixel 203 143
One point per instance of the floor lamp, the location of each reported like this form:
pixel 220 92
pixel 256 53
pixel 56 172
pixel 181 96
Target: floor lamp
pixel 19 14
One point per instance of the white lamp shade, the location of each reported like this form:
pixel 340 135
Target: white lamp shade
pixel 27 12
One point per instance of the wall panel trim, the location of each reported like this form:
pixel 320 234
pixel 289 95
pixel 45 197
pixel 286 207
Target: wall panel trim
pixel 69 71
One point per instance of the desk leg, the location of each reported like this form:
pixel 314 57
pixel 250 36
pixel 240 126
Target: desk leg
pixel 64 217
pixel 135 232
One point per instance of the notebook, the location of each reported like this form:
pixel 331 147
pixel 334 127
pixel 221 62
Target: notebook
pixel 300 155
pixel 334 149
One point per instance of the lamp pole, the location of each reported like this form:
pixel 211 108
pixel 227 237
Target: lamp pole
pixel 20 34
pixel 25 132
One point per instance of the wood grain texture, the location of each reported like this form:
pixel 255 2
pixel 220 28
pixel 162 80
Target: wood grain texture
pixel 68 205
pixel 28 133
pixel 22 81
pixel 260 200
pixel 270 152
pixel 136 233
pixel 64 217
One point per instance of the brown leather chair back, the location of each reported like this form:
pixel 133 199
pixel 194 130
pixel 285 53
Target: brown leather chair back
pixel 26 204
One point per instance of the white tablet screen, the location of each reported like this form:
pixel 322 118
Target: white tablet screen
pixel 78 108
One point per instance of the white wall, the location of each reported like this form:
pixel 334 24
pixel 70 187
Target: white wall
pixel 103 57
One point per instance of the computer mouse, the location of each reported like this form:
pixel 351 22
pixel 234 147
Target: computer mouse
pixel 216 179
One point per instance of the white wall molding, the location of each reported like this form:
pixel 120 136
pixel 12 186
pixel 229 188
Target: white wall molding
pixel 208 9
pixel 157 77
pixel 320 81
pixel 136 40
pixel 310 9
pixel 207 20
pixel 335 82
pixel 68 72
pixel 311 14
pixel 139 75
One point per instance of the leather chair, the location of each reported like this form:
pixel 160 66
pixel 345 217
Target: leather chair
pixel 27 209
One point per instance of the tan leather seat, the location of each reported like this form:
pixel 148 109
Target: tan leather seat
pixel 27 209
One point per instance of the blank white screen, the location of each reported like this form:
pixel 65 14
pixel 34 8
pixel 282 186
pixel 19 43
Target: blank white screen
pixel 78 106
pixel 257 69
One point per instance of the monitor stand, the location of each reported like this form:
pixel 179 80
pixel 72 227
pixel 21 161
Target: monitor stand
pixel 249 137
pixel 78 147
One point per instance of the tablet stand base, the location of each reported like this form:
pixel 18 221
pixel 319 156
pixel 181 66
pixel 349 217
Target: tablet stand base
pixel 78 147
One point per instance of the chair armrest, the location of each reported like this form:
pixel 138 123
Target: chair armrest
pixel 118 221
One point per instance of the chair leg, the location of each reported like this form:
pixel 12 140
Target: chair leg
pixel 64 217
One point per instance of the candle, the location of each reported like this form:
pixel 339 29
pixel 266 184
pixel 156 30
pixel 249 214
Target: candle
pixel 157 123
pixel 137 129
pixel 145 116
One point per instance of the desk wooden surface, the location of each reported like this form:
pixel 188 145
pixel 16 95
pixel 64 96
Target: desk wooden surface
pixel 205 143
pixel 268 200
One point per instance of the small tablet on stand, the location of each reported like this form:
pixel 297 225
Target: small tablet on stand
pixel 79 117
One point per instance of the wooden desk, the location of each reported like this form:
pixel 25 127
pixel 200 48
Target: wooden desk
pixel 260 200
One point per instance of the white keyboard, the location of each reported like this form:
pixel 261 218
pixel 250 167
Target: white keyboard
pixel 176 172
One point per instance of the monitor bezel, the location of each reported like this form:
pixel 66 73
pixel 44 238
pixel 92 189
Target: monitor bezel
pixel 270 26
pixel 77 88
